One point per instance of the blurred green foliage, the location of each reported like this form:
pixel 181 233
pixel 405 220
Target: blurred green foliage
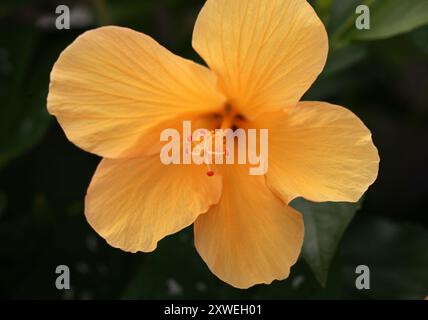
pixel 381 74
pixel 23 93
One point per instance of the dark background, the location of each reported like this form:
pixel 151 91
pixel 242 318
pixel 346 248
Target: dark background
pixel 43 177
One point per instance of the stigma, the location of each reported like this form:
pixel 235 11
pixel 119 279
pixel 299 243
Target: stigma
pixel 210 173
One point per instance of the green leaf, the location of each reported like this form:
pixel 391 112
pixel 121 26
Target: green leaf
pixel 343 58
pixel 389 18
pixel 325 224
pixel 323 8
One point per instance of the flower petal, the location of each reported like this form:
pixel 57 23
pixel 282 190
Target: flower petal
pixel 321 152
pixel 134 203
pixel 265 53
pixel 113 85
pixel 250 236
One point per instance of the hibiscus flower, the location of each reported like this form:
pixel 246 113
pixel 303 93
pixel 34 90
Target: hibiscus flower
pixel 114 90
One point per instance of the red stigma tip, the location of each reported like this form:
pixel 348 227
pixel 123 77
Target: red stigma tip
pixel 210 173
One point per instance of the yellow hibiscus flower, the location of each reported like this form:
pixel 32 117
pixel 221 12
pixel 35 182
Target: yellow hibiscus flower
pixel 113 90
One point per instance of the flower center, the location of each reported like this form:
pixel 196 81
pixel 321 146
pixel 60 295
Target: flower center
pixel 230 119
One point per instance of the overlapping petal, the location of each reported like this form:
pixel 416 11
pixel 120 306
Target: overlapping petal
pixel 250 236
pixel 265 53
pixel 321 152
pixel 113 87
pixel 133 203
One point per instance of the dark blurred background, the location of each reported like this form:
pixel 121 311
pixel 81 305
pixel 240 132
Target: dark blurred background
pixel 43 177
